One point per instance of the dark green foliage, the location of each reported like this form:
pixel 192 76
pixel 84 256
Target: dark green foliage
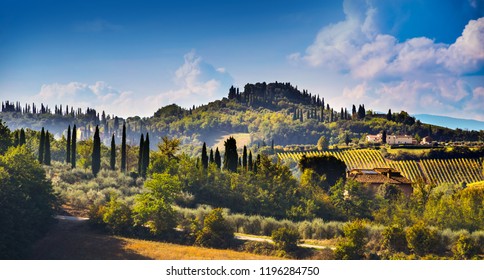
pixel 146 155
pixel 140 154
pixel 352 199
pixel 394 239
pixel 74 147
pixel 286 239
pixel 389 115
pixel 216 231
pixel 231 157
pixel 211 159
pixel 47 153
pixel 422 240
pixel 384 137
pixel 218 159
pixel 204 156
pixel 123 149
pixel 22 140
pixel 352 246
pixel 112 161
pixel 26 203
pixel 329 166
pixel 68 146
pixel 250 163
pixel 41 146
pixel 16 138
pixel 96 153
pixel 244 158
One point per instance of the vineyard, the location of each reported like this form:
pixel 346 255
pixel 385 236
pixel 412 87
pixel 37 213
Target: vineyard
pixel 436 171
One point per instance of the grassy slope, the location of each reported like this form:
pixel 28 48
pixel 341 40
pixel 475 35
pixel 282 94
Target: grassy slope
pixel 70 240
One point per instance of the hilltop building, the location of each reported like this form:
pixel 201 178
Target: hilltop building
pixel 391 139
pixel 376 177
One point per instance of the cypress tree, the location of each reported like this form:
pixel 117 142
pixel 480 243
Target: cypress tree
pixel 204 156
pixel 113 154
pixel 231 156
pixel 146 154
pixel 384 137
pixel 250 164
pixel 244 158
pixel 96 153
pixel 218 159
pixel 211 159
pixel 140 154
pixel 256 165
pixel 22 137
pixel 73 147
pixel 68 147
pixel 47 157
pixel 41 146
pixel 16 140
pixel 123 149
pixel 389 114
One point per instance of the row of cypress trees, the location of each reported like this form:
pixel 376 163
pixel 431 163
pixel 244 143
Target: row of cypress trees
pixel 44 147
pixel 144 154
pixel 231 157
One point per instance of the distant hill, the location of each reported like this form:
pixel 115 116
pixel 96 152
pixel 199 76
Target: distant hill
pixel 449 122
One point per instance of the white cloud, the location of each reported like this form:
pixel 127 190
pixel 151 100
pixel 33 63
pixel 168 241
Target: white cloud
pixel 195 83
pixel 418 74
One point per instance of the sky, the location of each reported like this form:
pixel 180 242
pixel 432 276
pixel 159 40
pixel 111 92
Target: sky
pixel 132 57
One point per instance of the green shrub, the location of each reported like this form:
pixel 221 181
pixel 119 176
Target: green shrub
pixel 352 246
pixel 286 239
pixel 216 232
pixel 117 216
pixel 422 240
pixel 465 248
pixel 394 239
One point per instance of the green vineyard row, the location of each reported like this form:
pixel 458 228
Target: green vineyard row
pixel 436 171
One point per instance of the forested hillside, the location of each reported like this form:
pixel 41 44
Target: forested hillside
pixel 276 112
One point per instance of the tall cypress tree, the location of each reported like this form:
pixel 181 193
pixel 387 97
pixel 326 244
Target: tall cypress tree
pixel 211 159
pixel 47 157
pixel 231 157
pixel 113 154
pixel 68 147
pixel 218 159
pixel 146 154
pixel 73 147
pixel 22 137
pixel 250 163
pixel 96 153
pixel 140 154
pixel 16 140
pixel 41 146
pixel 244 158
pixel 204 156
pixel 257 162
pixel 123 149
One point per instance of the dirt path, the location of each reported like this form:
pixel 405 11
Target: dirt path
pixel 265 239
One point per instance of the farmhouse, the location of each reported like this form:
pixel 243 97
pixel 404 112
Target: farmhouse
pixel 376 177
pixel 427 140
pixel 400 139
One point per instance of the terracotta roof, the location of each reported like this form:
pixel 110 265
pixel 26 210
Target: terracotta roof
pixel 378 176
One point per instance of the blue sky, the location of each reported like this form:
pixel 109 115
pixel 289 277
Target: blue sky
pixel 132 57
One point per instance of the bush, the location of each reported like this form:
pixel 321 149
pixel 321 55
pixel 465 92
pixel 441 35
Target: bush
pixel 421 239
pixel 464 248
pixel 352 246
pixel 216 231
pixel 117 216
pixel 394 239
pixel 286 239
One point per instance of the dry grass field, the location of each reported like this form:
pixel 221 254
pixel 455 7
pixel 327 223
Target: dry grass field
pixel 75 240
